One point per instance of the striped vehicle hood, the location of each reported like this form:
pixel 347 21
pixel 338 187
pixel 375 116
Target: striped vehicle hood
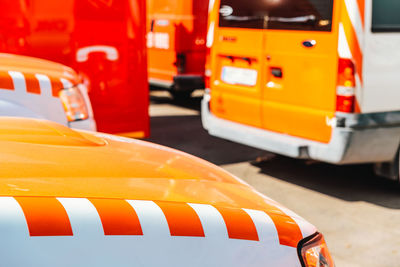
pixel 101 200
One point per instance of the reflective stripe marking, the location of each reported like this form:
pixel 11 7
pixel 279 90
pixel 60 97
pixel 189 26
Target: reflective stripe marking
pixel 32 84
pixel 182 219
pixel 56 86
pixel 6 81
pixel 354 15
pixel 263 222
pixel 151 217
pixel 117 217
pixel 88 218
pixel 85 220
pixel 239 224
pixel 288 230
pixel 45 216
pixel 212 221
pixel 361 8
pixel 352 41
pixel 19 81
pixel 66 83
pixel 343 48
pixel 11 210
pixel 45 84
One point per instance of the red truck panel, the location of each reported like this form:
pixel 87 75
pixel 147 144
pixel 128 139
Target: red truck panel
pixel 104 40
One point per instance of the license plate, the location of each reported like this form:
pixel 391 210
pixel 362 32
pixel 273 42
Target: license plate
pixel 239 76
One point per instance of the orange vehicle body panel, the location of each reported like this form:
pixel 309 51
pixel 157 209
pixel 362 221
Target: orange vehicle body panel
pixel 43 161
pixel 104 41
pixel 176 27
pixel 126 169
pixel 301 101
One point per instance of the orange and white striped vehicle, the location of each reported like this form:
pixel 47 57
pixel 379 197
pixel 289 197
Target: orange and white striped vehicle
pixel 37 88
pixel 77 198
pixel 307 78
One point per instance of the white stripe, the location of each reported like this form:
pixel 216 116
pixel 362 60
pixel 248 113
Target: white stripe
pixel 45 85
pixel 151 217
pixel 343 47
pixel 211 220
pixel 66 83
pixel 306 228
pixel 12 220
pixel 266 228
pixel 13 230
pixel 210 35
pixel 19 81
pixel 85 220
pixel 211 6
pixel 355 17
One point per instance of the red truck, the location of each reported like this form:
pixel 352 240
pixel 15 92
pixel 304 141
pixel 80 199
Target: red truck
pixel 103 40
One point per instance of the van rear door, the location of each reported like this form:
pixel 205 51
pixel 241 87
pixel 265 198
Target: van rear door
pixel 236 64
pixel 301 59
pixel 381 56
pixel 162 20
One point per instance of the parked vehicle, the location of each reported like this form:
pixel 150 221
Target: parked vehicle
pixel 320 80
pixel 76 198
pixel 37 88
pixel 176 44
pixel 103 40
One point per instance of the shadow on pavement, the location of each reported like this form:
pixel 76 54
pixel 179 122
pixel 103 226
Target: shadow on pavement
pixel 186 133
pixel 350 183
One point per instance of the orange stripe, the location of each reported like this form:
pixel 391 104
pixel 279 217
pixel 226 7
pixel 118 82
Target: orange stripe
pixel 32 84
pixel 361 8
pixel 182 219
pixel 353 43
pixel 45 216
pixel 56 86
pixel 6 82
pixel 288 231
pixel 239 224
pixel 117 217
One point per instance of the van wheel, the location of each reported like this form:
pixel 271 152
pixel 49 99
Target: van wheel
pixel 181 95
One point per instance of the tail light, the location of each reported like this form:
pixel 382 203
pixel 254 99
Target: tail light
pixel 180 63
pixel 74 104
pixel 345 92
pixel 314 252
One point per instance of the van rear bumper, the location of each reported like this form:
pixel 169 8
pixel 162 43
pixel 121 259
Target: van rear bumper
pixel 356 138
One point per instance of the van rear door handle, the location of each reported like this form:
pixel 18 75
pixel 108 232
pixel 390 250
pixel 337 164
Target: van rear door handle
pixel 276 72
pixel 309 43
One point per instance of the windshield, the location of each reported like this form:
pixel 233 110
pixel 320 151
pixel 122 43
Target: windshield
pixel 308 15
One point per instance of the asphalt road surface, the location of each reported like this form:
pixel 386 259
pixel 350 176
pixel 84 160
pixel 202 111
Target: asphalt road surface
pixel 358 212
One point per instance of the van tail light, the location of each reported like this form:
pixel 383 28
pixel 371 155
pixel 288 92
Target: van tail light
pixel 180 63
pixel 314 252
pixel 345 91
pixel 74 104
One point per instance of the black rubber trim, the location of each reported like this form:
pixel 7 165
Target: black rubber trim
pixel 300 246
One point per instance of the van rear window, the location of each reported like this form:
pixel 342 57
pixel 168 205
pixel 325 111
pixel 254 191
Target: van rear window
pixel 386 16
pixel 306 15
